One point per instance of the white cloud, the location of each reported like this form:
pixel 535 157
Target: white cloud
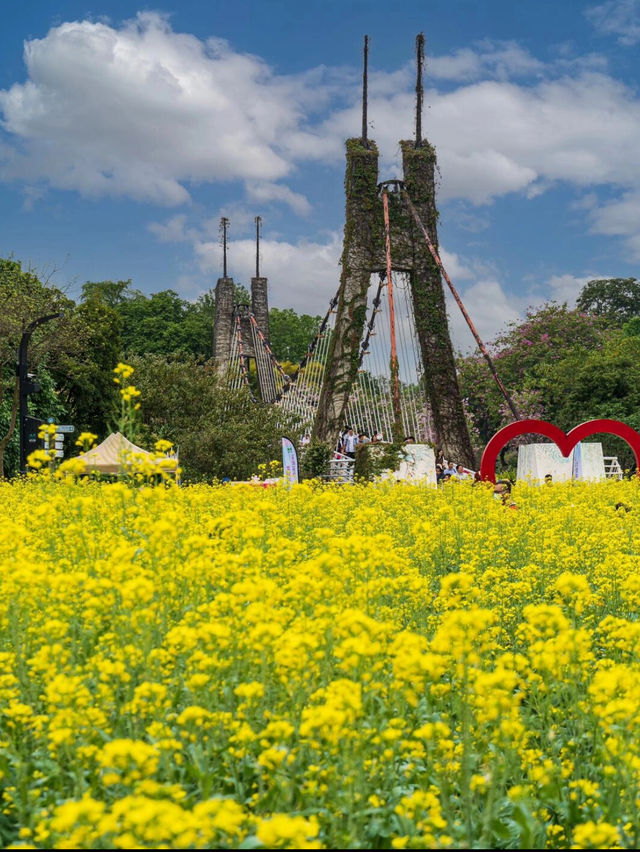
pixel 140 111
pixel 619 18
pixel 144 112
pixel 171 231
pixel 502 60
pixel 456 267
pixel 494 137
pixel 620 218
pixel 505 60
pixel 304 275
pixel 567 287
pixel 586 202
pixel 489 307
pixel 264 192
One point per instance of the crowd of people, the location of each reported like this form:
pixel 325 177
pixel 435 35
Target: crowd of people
pixel 348 440
pixel 446 470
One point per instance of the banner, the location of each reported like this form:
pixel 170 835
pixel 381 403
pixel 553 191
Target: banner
pixel 289 461
pixel 577 462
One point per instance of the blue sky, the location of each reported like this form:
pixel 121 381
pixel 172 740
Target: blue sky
pixel 127 130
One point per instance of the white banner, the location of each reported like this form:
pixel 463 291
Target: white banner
pixel 289 461
pixel 577 462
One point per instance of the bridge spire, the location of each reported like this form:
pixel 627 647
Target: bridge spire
pixel 224 224
pixel 419 89
pixel 258 221
pixel 365 80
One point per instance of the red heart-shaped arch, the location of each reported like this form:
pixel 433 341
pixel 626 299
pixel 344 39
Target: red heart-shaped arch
pixel 564 441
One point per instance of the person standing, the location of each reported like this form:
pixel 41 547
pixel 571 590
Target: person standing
pixel 350 442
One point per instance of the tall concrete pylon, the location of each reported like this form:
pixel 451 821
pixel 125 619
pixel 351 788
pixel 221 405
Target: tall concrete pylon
pixel 363 255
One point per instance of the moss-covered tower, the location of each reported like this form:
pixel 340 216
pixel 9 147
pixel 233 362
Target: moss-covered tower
pixel 363 254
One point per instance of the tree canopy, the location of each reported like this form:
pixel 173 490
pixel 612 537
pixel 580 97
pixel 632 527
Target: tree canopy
pixel 564 365
pixel 219 432
pixel 616 299
pixel 291 333
pixel 24 299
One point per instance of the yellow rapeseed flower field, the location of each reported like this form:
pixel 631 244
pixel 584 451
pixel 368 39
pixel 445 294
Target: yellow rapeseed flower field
pixel 365 666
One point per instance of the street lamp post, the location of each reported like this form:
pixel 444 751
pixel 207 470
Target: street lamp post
pixel 25 385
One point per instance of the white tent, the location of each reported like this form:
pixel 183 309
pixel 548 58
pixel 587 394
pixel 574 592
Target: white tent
pixel 114 455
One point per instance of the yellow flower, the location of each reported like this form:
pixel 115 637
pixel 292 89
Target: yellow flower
pixel 282 831
pixel 163 446
pixel 86 440
pixel 592 835
pixel 122 372
pixel 129 393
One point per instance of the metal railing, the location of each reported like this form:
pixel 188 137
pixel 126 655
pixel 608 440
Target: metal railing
pixel 341 468
pixel 612 468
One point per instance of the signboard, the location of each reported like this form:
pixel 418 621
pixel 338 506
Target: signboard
pixel 67 429
pixel 289 461
pixel 31 427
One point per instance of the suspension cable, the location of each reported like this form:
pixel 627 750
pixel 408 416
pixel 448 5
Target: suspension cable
pixel 393 363
pixel 456 296
pixel 243 361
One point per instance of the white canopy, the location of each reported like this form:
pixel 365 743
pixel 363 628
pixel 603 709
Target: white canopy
pixel 112 455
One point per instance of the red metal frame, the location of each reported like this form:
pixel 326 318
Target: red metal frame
pixel 565 441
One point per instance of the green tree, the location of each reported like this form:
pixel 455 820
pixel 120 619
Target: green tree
pixel 291 333
pixel 220 432
pixel 161 323
pixel 525 356
pixel 615 299
pixel 601 383
pixel 85 372
pixel 24 298
pixel 112 293
pixel 46 404
pixel 632 328
pixel 152 324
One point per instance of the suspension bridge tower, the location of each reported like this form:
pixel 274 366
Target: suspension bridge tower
pixel 245 324
pixel 382 234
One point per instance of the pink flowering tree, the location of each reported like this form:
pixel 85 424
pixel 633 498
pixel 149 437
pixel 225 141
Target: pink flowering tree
pixel 527 356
